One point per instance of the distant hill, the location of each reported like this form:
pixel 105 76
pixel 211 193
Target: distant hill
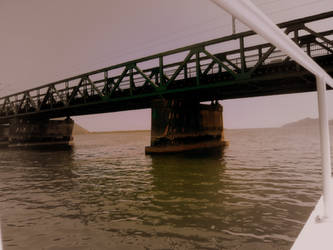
pixel 307 122
pixel 78 130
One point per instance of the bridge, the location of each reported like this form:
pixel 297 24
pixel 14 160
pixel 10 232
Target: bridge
pixel 174 83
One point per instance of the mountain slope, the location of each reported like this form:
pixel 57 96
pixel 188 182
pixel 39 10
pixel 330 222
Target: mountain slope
pixel 307 122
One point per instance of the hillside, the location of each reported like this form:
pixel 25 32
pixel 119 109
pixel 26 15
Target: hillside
pixel 307 122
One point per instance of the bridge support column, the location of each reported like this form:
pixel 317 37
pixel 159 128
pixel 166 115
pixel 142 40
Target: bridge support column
pixel 4 134
pixel 185 125
pixel 23 132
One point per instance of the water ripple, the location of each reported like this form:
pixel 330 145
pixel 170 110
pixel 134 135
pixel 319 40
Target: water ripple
pixel 106 193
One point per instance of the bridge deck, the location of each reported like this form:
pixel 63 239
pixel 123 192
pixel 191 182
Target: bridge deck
pixel 234 66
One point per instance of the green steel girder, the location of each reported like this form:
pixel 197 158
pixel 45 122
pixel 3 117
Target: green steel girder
pixel 204 71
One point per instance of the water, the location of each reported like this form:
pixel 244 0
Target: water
pixel 106 194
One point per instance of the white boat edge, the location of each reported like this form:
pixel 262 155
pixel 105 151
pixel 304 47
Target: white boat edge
pixel 316 234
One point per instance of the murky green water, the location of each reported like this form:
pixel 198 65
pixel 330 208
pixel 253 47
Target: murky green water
pixel 106 194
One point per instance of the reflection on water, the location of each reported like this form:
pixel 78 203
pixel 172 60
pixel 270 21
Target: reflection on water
pixel 104 193
pixel 185 185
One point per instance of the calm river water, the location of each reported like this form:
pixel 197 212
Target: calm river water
pixel 105 193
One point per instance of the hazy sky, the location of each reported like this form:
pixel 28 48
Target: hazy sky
pixel 44 40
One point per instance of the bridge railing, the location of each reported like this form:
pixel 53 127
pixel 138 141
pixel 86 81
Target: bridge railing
pixel 231 58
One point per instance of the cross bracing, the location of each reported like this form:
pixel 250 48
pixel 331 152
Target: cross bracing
pixel 209 70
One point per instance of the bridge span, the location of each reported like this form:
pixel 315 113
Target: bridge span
pixel 173 84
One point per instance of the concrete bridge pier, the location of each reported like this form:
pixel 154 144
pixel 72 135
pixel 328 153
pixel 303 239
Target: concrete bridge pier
pixel 185 125
pixel 38 132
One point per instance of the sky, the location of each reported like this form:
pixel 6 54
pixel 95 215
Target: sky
pixel 42 41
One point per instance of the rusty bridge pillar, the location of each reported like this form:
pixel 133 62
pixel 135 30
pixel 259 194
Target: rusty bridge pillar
pixel 185 125
pixel 39 132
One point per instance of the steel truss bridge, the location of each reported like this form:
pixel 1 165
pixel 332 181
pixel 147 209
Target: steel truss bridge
pixel 234 66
